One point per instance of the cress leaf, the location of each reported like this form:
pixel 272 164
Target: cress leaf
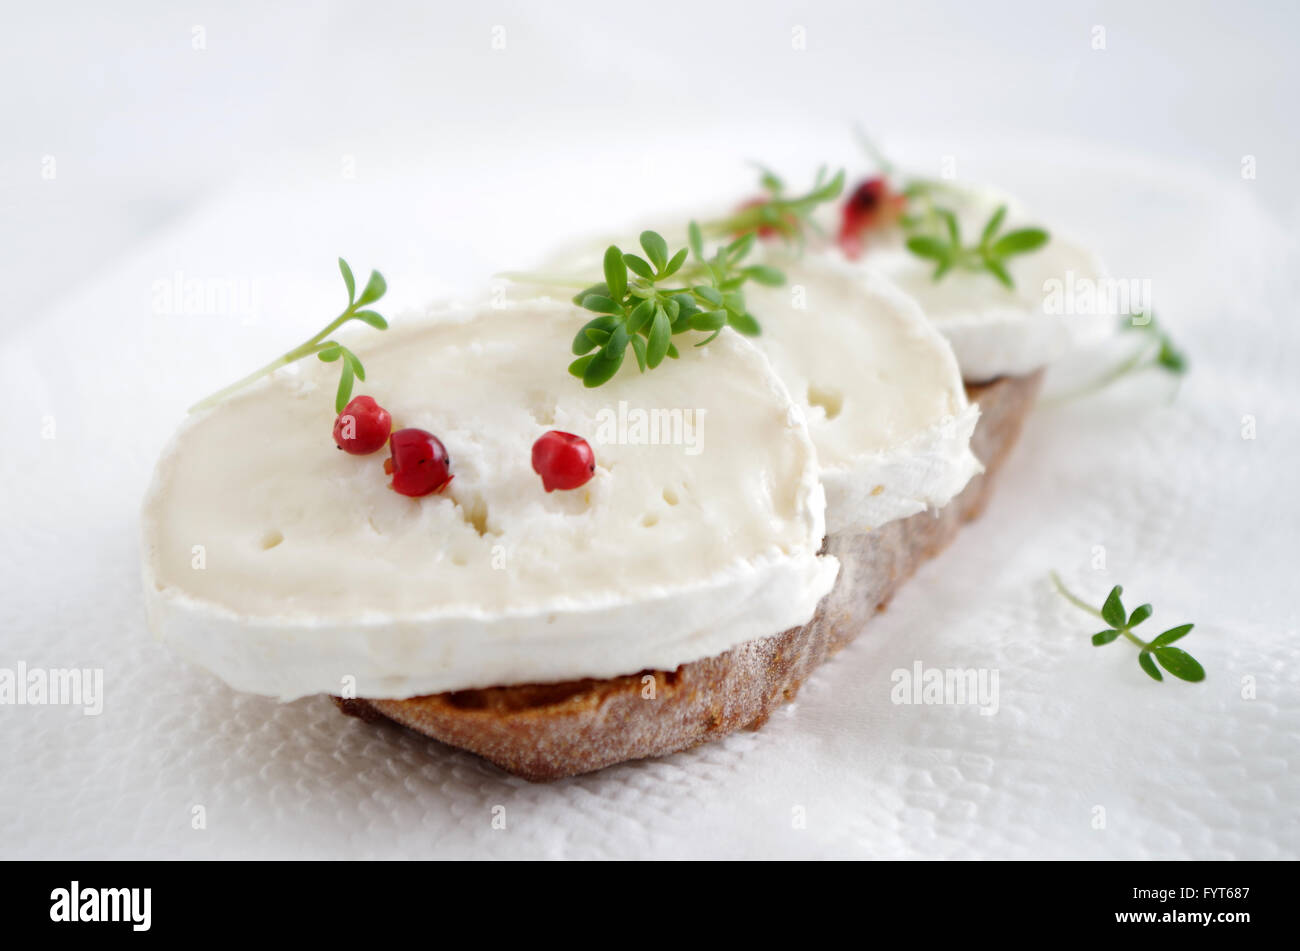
pixel 615 273
pixel 925 246
pixel 1147 664
pixel 994 267
pixel 696 240
pixel 349 281
pixel 1171 635
pixel 1113 610
pixel 656 248
pixel 579 366
pixel 356 364
pixel 994 223
pixel 660 331
pixel 709 320
pixel 582 343
pixel 601 305
pixel 345 387
pixel 640 316
pixel 602 367
pixel 1140 614
pixel 1180 663
pixel 376 287
pixel 639 265
pixel 638 349
pixel 675 264
pixel 744 324
pixel 1019 242
pixel 767 276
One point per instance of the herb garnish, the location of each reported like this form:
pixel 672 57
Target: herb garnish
pixel 327 350
pixel 1157 352
pixel 933 233
pixel 637 310
pixel 1174 660
pixel 779 213
pixel 945 247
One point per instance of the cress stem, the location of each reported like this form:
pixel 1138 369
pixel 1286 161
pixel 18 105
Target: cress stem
pixel 1139 360
pixel 313 345
pixel 1065 593
pixel 1132 637
pixel 1078 603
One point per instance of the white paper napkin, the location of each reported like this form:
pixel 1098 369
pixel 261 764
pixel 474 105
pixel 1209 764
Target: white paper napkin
pixel 1084 757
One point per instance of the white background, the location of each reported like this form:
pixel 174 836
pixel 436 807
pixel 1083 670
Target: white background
pixel 146 130
pixel 400 137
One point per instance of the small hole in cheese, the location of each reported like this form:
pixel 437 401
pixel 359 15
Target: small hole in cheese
pixel 828 398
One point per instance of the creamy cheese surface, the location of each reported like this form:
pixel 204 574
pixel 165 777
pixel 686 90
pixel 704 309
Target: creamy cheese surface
pixel 878 383
pixel 287 566
pixel 994 330
pixel 880 387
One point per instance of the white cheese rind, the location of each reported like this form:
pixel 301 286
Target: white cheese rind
pixel 387 656
pixel 663 558
pixel 924 473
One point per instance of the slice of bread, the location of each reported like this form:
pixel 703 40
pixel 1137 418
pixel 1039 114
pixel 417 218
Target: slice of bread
pixel 549 731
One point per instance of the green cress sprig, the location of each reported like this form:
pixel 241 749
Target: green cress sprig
pixel 1156 352
pixel 640 307
pixel 1174 660
pixel 944 246
pixel 789 216
pixel 933 233
pixel 327 350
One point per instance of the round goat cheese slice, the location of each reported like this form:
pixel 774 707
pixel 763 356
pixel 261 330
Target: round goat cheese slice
pixel 877 381
pixel 880 387
pixel 1062 296
pixel 290 568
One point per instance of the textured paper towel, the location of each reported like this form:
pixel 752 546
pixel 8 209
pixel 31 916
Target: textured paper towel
pixel 1192 516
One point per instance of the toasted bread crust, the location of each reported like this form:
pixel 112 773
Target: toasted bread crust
pixel 549 731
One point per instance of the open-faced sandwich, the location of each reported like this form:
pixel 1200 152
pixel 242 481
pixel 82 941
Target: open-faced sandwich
pixel 566 534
